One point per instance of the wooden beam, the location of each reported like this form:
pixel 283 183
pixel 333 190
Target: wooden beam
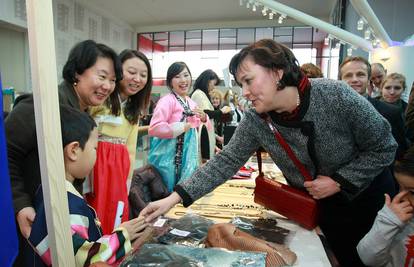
pixel 46 103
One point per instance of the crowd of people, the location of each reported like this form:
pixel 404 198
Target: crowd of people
pixel 352 134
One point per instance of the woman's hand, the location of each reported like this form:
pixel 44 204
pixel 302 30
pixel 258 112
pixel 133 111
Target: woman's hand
pixel 200 114
pixel 25 218
pixel 159 207
pixel 134 227
pixel 400 206
pixel 322 187
pixel 225 109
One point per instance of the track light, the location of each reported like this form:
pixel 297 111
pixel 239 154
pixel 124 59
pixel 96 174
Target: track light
pixel 264 11
pixel 360 24
pixel 349 52
pixel 254 7
pixel 367 34
pixel 271 15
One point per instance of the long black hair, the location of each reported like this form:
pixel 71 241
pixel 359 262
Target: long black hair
pixel 201 83
pixel 135 104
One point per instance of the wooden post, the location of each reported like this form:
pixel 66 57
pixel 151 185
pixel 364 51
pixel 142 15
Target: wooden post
pixel 46 104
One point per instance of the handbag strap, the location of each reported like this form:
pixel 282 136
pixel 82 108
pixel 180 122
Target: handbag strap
pixel 305 173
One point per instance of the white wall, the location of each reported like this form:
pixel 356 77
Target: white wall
pixel 74 21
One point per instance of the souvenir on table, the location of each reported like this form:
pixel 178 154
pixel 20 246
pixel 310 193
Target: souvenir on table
pixel 157 255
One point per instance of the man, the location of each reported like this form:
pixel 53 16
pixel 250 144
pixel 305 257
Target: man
pixel 378 73
pixel 356 72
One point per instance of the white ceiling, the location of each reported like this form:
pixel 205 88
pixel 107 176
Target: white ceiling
pixel 144 13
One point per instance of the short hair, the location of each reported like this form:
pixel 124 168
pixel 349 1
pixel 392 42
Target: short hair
pixel 395 76
pixel 273 56
pixel 135 103
pixel 354 59
pixel 311 70
pixel 202 81
pixel 84 55
pixel 174 70
pixel 76 126
pixel 378 65
pixel 405 165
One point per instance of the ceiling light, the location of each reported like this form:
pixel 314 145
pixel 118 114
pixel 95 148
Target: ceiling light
pixel 360 24
pixel 338 45
pixel 271 15
pixel 326 41
pixel 248 4
pixel 241 2
pixel 349 52
pixel 280 20
pixel 254 7
pixel 264 11
pixel 367 34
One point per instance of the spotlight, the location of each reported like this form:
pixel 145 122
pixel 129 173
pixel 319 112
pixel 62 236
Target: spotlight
pixel 367 34
pixel 360 24
pixel 264 11
pixel 349 52
pixel 271 15
pixel 254 7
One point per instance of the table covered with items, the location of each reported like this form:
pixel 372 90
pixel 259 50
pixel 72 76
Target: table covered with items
pixel 227 228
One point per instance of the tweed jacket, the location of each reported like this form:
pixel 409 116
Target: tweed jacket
pixel 338 133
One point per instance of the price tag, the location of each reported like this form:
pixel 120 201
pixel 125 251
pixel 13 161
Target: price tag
pixel 160 222
pixel 179 232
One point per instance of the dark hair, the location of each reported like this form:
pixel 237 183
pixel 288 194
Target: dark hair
pixel 271 55
pixel 174 70
pixel 84 55
pixel 354 59
pixel 135 103
pixel 76 126
pixel 202 81
pixel 311 70
pixel 405 165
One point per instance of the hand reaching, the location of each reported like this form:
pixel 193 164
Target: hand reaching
pixel 25 218
pixel 400 206
pixel 159 207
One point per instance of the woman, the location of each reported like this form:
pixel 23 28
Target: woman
pixel 336 134
pixel 217 99
pixel 174 145
pixel 204 84
pixel 118 133
pixel 89 74
pixel 231 100
pixel 391 90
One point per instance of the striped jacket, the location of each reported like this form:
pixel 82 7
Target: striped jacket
pixel 88 243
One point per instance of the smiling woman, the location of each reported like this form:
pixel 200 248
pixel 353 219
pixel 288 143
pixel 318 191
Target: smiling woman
pixel 337 135
pixel 118 132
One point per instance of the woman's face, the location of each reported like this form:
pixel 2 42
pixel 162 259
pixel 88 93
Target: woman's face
pixel 181 83
pixel 392 90
pixel 135 77
pixel 96 83
pixel 216 101
pixel 211 85
pixel 259 86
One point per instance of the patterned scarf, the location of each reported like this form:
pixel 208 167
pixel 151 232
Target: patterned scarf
pixel 180 139
pixel 303 86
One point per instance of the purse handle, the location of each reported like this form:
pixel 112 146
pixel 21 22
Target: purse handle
pixel 305 173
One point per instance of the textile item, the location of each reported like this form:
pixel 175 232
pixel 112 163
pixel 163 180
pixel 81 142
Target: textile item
pixel 156 255
pixel 265 229
pixel 226 235
pixel 194 229
pixel 8 230
pixel 110 184
pixel 146 186
pixel 162 157
pixel 88 243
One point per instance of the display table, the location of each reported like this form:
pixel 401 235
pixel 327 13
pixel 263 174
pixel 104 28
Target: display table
pixel 235 199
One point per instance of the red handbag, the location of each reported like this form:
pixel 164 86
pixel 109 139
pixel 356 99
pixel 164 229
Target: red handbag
pixel 295 204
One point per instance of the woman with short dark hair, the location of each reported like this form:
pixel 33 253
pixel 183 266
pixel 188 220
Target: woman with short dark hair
pixel 337 135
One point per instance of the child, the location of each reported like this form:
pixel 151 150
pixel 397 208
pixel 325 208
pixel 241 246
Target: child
pixel 174 144
pixel 390 242
pixel 79 138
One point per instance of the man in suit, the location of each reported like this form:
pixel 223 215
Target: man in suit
pixel 356 72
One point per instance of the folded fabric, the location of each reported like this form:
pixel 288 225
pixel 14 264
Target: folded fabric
pixel 226 235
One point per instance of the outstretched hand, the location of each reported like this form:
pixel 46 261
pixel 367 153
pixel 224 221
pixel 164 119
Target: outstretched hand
pixel 157 208
pixel 400 206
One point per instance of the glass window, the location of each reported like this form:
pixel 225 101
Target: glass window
pixel 177 38
pixel 210 39
pixel 245 36
pixel 264 33
pixel 303 35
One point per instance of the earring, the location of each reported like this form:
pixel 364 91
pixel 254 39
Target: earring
pixel 278 85
pixel 75 83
